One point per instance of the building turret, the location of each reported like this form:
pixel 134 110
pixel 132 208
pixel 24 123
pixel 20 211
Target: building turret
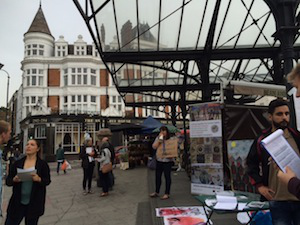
pixel 38 40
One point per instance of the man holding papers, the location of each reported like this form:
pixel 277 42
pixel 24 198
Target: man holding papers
pixel 284 207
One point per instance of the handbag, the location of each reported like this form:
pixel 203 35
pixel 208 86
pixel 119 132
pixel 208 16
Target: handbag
pixel 152 163
pixel 106 167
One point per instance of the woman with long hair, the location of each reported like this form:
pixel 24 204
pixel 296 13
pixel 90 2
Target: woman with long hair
pixel 163 165
pixel 28 196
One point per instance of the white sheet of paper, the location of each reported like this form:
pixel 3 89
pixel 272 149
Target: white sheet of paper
pixel 89 150
pixel 281 151
pixel 226 202
pixel 241 205
pixel 25 174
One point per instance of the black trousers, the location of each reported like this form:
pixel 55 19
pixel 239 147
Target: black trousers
pixel 88 175
pixel 17 218
pixel 105 180
pixel 163 167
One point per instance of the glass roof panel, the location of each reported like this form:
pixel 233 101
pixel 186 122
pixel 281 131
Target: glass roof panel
pixel 169 25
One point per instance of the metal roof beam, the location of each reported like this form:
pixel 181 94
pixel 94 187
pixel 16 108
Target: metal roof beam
pixel 171 88
pixel 217 54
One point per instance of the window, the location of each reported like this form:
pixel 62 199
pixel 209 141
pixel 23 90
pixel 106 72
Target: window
pixel 28 80
pixel 33 100
pixel 78 79
pixel 85 98
pixel 65 71
pixel 79 98
pixel 93 98
pixel 40 131
pixel 33 71
pixel 84 79
pixel 40 99
pixel 93 71
pixel 73 98
pixel 119 99
pixel 113 99
pixel 41 81
pixel 73 79
pixel 33 81
pixel 27 100
pixel 66 80
pixel 66 99
pixel 119 107
pixel 41 71
pixel 93 80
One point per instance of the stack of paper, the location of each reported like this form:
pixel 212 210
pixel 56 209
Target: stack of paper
pixel 26 174
pixel 226 202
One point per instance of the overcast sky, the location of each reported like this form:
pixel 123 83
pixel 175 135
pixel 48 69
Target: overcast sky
pixel 64 19
pixel 16 17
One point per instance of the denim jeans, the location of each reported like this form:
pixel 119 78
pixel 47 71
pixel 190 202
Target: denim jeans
pixel 285 212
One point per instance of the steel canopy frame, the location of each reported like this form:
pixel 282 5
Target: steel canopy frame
pixel 184 73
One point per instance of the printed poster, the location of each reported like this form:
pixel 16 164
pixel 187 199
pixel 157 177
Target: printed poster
pixel 237 153
pixel 179 211
pixel 184 220
pixel 206 148
pixel 207 178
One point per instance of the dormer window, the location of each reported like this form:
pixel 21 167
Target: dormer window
pixel 60 51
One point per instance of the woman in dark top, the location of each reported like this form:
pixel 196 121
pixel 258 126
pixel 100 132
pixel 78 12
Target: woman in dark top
pixel 87 155
pixel 28 196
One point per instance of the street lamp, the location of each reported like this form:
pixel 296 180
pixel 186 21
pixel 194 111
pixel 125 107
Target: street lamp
pixel 6 114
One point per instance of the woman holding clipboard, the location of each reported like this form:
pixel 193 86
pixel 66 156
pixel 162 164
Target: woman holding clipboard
pixel 28 197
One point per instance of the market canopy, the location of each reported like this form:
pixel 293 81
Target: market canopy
pixel 171 128
pixel 150 124
pixel 165 53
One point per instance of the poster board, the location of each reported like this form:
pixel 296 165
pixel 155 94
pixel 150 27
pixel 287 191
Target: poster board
pixel 206 148
pixel 171 149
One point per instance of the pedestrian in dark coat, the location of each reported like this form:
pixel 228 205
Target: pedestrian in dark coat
pixel 28 197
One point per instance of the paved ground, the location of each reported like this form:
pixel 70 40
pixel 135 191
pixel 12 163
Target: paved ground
pixel 127 204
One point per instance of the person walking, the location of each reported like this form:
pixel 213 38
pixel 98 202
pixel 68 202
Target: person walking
pixel 104 158
pixel 284 207
pixel 60 158
pixel 163 165
pixel 87 155
pixel 28 196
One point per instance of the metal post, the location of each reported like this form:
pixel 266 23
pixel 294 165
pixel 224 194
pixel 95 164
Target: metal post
pixel 6 111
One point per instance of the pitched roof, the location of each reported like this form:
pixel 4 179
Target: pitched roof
pixel 39 23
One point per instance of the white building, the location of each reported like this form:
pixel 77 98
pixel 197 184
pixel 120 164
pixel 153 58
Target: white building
pixel 66 91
